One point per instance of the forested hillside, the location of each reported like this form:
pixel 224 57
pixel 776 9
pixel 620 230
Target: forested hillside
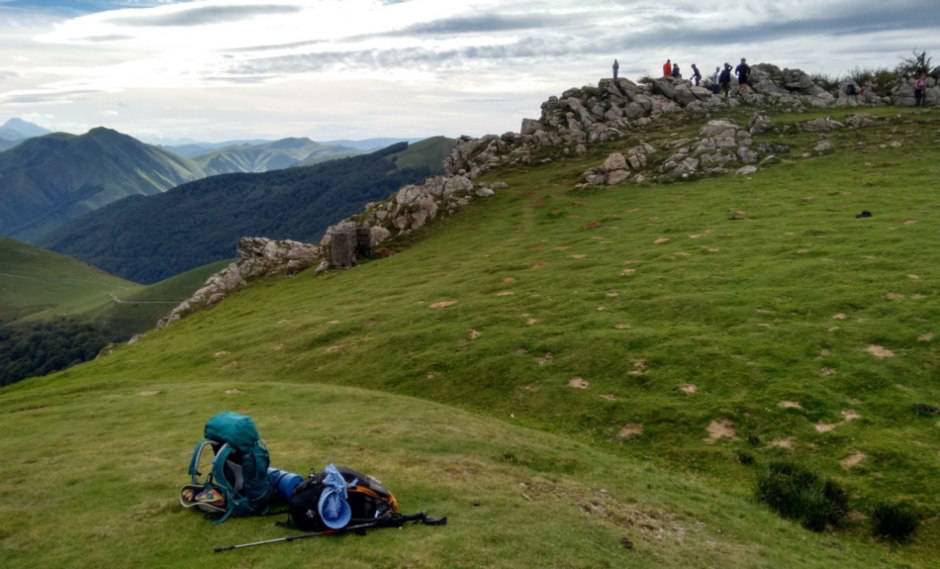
pixel 147 239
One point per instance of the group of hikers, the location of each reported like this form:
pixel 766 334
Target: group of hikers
pixel 720 80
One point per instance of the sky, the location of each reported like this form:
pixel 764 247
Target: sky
pixel 212 70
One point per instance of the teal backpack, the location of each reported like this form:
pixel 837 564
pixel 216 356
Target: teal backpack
pixel 237 481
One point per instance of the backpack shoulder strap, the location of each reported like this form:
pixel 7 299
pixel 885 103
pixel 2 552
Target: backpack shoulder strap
pixel 197 456
pixel 219 480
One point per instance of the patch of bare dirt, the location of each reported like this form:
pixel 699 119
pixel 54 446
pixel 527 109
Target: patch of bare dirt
pixel 894 296
pixel 335 322
pixel 662 241
pixel 927 338
pixel 789 405
pixel 914 277
pixel 689 388
pixel 840 316
pixel 609 397
pixel 640 367
pixel 621 326
pixel 509 280
pixel 150 393
pixel 538 265
pixel 532 321
pixel 879 352
pixel 910 222
pixel 613 294
pixel 853 460
pixel 278 348
pixel 827 372
pixel 630 431
pixel 628 272
pixel 335 349
pixel 221 354
pixel 473 334
pixel 849 415
pixel 721 429
pixel 505 293
pixel 825 427
pixel 784 443
pixel 233 391
pixel 579 257
pixel 578 383
pixel 544 360
pixel 440 305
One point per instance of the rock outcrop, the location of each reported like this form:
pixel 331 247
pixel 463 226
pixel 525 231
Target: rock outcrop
pixel 569 125
pixel 257 257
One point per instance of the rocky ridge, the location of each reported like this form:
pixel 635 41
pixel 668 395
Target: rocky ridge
pixel 569 125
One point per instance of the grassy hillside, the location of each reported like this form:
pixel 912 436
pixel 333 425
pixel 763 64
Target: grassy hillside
pixel 264 157
pixel 147 239
pixel 50 180
pixel 139 310
pixel 554 369
pixel 42 284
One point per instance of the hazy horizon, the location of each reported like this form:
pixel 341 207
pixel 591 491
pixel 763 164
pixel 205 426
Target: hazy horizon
pixel 217 70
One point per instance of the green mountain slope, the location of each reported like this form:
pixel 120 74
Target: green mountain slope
pixel 277 155
pixel 56 311
pixel 152 238
pixel 137 311
pixel 41 284
pixel 796 333
pixel 48 181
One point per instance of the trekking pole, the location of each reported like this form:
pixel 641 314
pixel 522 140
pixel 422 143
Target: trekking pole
pixel 360 528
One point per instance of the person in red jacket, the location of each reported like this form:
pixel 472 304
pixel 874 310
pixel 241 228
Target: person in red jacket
pixel 667 68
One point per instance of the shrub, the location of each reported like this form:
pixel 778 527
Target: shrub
pixel 894 521
pixel 798 494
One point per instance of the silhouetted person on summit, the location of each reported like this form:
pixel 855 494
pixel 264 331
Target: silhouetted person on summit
pixel 725 80
pixel 696 75
pixel 676 74
pixel 616 68
pixel 920 91
pixel 743 72
pixel 667 68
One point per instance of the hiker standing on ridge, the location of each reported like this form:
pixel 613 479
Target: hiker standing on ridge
pixel 696 75
pixel 676 74
pixel 716 81
pixel 743 71
pixel 724 80
pixel 667 68
pixel 616 69
pixel 920 91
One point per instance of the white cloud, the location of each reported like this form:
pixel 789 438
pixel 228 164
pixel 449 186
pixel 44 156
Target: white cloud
pixel 331 68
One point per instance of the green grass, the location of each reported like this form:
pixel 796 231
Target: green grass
pixel 41 284
pixel 140 310
pixel 471 404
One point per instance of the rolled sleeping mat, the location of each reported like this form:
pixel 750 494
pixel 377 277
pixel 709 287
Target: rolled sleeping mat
pixel 284 483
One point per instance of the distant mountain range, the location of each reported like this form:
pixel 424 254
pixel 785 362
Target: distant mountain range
pixel 50 180
pixel 16 129
pixel 146 239
pixel 264 157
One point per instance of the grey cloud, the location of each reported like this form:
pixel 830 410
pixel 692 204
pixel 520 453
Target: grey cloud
pixel 199 16
pixel 842 19
pixel 483 23
pixel 46 97
pixel 107 38
pixel 4 75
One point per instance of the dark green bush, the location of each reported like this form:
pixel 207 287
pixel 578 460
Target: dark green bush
pixel 798 494
pixel 894 521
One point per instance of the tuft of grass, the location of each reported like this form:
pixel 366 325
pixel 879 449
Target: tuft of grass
pixel 798 494
pixel 894 520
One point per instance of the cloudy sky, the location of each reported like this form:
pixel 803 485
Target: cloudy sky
pixel 169 70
